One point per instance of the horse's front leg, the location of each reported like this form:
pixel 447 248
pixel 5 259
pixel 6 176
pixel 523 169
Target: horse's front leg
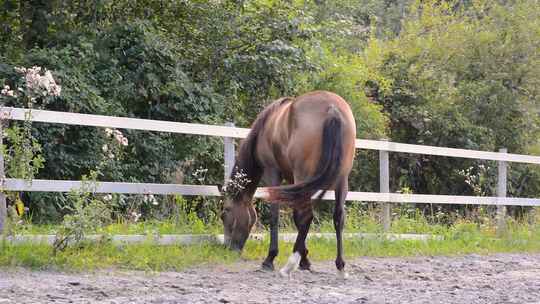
pixel 273 250
pixel 272 179
pixel 339 221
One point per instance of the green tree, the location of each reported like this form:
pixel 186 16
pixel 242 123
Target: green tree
pixel 463 76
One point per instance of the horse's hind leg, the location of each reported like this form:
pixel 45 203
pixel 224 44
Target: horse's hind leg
pixel 302 220
pixel 272 179
pixel 339 221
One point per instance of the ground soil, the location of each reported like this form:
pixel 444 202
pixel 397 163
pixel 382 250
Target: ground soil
pixel 501 278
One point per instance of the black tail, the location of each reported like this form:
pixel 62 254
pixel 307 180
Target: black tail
pixel 327 170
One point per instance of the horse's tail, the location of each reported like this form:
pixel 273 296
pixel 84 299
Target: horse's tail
pixel 328 169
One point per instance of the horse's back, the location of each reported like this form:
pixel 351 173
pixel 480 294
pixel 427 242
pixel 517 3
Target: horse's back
pixel 292 141
pixel 310 111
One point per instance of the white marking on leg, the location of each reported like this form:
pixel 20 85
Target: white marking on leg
pixel 292 265
pixel 342 274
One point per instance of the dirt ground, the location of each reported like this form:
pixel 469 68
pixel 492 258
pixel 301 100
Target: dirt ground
pixel 502 278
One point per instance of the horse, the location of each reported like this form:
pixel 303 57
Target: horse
pixel 308 142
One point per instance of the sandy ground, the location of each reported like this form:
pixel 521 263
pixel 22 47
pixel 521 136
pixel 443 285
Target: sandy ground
pixel 502 278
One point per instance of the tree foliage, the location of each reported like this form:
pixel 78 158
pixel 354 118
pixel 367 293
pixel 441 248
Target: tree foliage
pixel 447 73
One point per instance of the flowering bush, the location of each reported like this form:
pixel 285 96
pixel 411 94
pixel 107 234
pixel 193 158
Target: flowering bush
pixel 200 175
pixel 7 91
pixel 117 140
pixel 236 184
pixel 35 88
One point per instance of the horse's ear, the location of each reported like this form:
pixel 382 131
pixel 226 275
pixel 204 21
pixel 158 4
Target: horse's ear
pixel 220 188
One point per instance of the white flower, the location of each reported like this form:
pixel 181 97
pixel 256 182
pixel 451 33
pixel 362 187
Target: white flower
pixel 6 87
pixel 149 198
pixel 107 197
pixel 56 90
pixel 108 131
pixel 5 115
pixel 104 148
pixel 10 93
pixel 135 216
pixel 40 84
pixel 118 138
pixel 44 83
pixel 49 76
pixel 124 141
pixel 111 156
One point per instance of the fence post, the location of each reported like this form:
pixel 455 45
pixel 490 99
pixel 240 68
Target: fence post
pixel 3 209
pixel 228 154
pixel 384 187
pixel 501 192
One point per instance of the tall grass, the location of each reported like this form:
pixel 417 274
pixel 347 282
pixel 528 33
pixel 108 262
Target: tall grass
pixel 463 237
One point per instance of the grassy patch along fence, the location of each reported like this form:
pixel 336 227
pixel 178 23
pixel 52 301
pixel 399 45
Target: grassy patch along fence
pixel 148 256
pixel 461 238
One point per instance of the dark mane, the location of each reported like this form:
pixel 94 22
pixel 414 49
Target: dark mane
pixel 246 161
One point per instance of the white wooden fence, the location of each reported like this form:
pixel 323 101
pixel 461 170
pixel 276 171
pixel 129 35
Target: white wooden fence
pixel 229 133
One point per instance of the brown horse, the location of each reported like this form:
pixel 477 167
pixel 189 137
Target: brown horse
pixel 307 141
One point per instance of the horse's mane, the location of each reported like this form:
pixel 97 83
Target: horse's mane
pixel 247 162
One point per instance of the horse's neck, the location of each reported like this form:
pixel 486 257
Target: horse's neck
pixel 247 160
pixel 251 171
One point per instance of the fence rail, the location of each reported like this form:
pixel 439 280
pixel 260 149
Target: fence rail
pixel 229 133
pixel 39 185
pixel 235 132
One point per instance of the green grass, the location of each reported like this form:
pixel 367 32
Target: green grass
pixel 147 257
pixel 355 223
pixel 143 227
pixel 463 238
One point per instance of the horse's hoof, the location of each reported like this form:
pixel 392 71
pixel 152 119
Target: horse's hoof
pixel 267 266
pixel 292 265
pixel 284 274
pixel 342 274
pixel 305 266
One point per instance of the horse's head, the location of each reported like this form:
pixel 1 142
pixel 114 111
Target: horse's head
pixel 238 217
pixel 238 212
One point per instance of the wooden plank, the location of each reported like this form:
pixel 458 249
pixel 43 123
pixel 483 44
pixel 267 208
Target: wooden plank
pixel 442 151
pixel 190 239
pixel 140 188
pixel 384 187
pixel 223 131
pixel 501 192
pixel 439 199
pixel 3 207
pixel 122 122
pixel 228 155
pixel 39 185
